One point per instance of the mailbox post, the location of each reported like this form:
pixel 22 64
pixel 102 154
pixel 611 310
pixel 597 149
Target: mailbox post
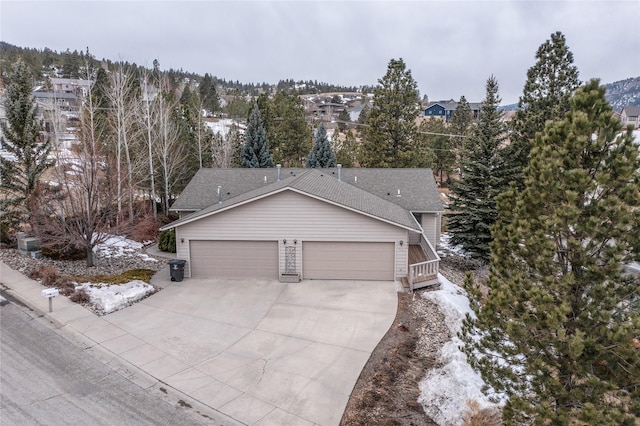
pixel 50 293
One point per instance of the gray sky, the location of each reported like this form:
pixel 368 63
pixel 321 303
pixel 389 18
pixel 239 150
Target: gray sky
pixel 451 47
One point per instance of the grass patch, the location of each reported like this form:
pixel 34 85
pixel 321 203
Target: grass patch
pixel 123 278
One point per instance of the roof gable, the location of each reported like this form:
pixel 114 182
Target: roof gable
pixel 418 189
pixel 631 111
pixel 322 186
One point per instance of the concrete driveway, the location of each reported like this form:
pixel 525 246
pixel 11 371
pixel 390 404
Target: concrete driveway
pixel 259 351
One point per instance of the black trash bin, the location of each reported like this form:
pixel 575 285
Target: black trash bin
pixel 176 268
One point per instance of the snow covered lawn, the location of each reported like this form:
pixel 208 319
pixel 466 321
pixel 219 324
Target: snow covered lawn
pixel 118 246
pixel 107 298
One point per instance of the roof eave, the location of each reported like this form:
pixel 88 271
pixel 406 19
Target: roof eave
pixel 198 216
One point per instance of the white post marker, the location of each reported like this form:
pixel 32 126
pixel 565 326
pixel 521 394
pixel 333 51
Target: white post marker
pixel 50 293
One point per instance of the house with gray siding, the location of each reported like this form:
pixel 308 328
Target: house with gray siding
pixel 630 115
pixel 293 224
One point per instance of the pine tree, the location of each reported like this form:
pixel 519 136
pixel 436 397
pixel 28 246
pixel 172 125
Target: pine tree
pixel 473 207
pixel 321 155
pixel 287 129
pixel 347 150
pixel 436 149
pixel 255 152
pixel 462 118
pixel 364 114
pixel 390 134
pixel 558 330
pixel 343 120
pixel 208 94
pixel 21 170
pixel 550 83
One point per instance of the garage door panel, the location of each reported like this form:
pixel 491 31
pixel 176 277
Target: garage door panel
pixel 234 259
pixel 348 260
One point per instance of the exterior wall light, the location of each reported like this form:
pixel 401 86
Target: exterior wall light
pixel 182 240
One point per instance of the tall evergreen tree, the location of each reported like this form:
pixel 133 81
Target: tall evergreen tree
pixel 391 129
pixel 287 129
pixel 209 94
pixel 462 118
pixel 473 206
pixel 343 120
pixel 461 125
pixel 558 330
pixel 364 114
pixel 346 150
pixel 255 152
pixel 321 154
pixel 21 170
pixel 437 149
pixel 550 83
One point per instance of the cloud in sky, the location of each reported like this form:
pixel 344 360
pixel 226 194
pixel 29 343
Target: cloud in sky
pixel 451 47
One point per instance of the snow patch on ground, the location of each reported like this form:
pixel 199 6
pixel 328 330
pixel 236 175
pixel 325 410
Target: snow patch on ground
pixel 222 126
pixel 107 298
pixel 118 246
pixel 444 391
pixel 445 246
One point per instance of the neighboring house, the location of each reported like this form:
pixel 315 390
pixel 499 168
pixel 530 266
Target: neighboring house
pixel 292 224
pixel 444 109
pixel 630 115
pixel 76 86
pixel 59 113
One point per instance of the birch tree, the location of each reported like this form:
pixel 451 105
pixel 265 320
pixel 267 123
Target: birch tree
pixel 167 147
pixel 145 113
pixel 121 97
pixel 82 215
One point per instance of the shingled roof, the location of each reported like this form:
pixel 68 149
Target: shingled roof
pixel 417 187
pixel 317 183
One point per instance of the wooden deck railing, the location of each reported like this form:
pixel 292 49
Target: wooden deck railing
pixel 425 272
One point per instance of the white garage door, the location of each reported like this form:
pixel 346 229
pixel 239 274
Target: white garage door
pixel 234 259
pixel 348 261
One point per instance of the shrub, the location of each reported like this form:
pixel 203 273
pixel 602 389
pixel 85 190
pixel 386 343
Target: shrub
pixel 34 274
pixel 7 234
pixel 47 274
pixel 66 291
pixel 476 416
pixel 63 283
pixel 167 241
pixel 60 251
pixel 80 296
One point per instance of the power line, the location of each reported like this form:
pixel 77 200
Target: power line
pixel 421 132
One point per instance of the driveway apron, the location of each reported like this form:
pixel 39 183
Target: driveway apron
pixel 259 351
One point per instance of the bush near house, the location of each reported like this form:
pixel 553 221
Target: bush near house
pixel 167 241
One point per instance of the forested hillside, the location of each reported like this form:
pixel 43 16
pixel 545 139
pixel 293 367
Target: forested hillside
pixel 68 64
pixel 623 93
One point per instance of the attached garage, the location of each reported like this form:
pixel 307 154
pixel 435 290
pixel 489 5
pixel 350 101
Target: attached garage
pixel 234 259
pixel 348 260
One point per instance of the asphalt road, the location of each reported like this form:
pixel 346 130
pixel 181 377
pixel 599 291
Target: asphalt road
pixel 47 380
